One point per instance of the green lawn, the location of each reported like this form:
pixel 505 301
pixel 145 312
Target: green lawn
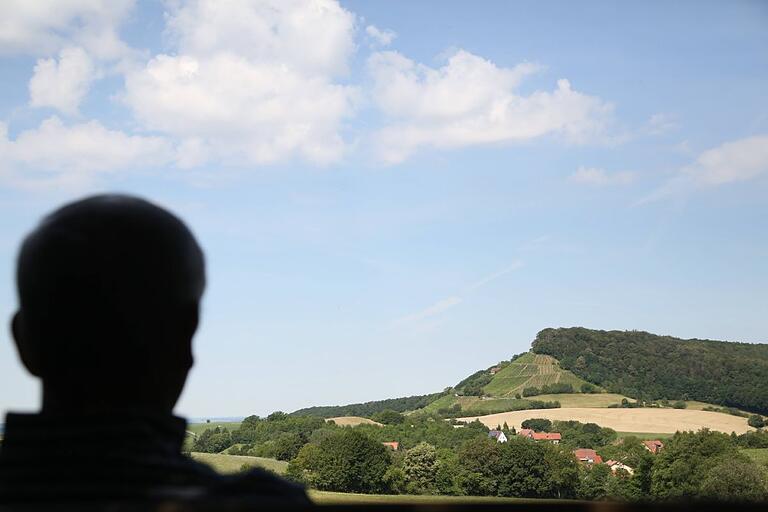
pixel 334 498
pixel 233 463
pixel 759 455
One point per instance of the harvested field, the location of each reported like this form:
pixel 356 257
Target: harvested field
pixel 353 421
pixel 626 420
pixel 234 463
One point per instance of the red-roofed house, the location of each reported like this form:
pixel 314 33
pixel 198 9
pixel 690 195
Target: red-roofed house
pixel 526 432
pixel 392 444
pixel 588 455
pixel 615 465
pixel 654 446
pixel 553 437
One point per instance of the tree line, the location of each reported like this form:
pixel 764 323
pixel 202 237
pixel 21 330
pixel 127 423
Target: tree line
pixel 436 456
pixel 651 367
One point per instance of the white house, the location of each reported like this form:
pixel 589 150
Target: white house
pixel 498 435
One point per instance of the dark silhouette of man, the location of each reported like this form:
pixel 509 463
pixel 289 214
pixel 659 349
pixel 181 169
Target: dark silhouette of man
pixel 109 293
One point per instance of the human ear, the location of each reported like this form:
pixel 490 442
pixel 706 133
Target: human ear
pixel 28 349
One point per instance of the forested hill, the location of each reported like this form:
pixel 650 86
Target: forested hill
pixel 644 365
pixel 408 403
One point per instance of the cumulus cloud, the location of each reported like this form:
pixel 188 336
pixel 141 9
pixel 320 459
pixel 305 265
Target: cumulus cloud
pixel 43 27
pixel 55 153
pixel 471 101
pixel 64 83
pixel 599 177
pixel 661 123
pixel 381 37
pixel 253 82
pixel 738 160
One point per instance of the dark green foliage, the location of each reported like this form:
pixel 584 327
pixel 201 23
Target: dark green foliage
pixel 583 435
pixel 753 439
pixel 420 468
pixel 679 404
pixel 589 388
pixel 531 391
pixel 213 440
pixel 686 462
pixel 420 428
pixel 347 461
pixel 594 482
pixel 522 405
pixel 735 480
pixel 388 417
pixel 644 365
pixel 537 424
pixel 726 410
pixel 517 468
pixel 368 409
pixel 756 421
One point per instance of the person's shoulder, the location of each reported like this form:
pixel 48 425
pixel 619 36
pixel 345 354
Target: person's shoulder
pixel 261 486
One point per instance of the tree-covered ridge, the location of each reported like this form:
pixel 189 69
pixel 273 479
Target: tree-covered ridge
pixel 647 366
pixel 367 409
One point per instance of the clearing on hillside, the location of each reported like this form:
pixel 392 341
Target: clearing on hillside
pixel 530 370
pixel 626 420
pixel 224 463
pixel 353 421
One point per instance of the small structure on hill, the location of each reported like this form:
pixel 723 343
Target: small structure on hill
pixel 498 435
pixel 394 445
pixel 552 437
pixel 616 465
pixel 526 432
pixel 654 446
pixel 587 456
pixel 494 370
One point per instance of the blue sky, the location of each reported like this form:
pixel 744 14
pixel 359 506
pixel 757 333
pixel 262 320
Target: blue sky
pixel 392 195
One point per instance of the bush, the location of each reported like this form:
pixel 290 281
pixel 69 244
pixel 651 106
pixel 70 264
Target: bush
pixel 589 388
pixel 679 405
pixel 756 421
pixel 531 391
pixel 537 424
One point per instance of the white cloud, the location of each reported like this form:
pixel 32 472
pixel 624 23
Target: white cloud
pixel 308 36
pixel 253 81
pixel 55 153
pixel 63 84
pixel 381 37
pixel 471 101
pixel 661 123
pixel 43 27
pixel 599 177
pixel 739 160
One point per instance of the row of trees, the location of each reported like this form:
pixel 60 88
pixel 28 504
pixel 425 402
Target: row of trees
pixel 437 458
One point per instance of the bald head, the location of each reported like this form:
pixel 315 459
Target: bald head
pixel 109 290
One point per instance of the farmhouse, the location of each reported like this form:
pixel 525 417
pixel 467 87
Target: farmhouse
pixel 494 370
pixel 498 435
pixel 526 432
pixel 654 446
pixel 392 444
pixel 588 456
pixel 552 437
pixel 615 465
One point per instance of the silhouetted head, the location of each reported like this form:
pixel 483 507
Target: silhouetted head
pixel 109 292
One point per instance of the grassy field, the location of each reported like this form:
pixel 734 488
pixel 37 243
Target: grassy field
pixel 234 463
pixel 340 498
pixel 353 421
pixel 627 420
pixel 530 370
pixel 199 428
pixel 759 455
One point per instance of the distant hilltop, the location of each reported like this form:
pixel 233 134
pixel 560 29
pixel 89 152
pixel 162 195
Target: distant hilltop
pixel 634 364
